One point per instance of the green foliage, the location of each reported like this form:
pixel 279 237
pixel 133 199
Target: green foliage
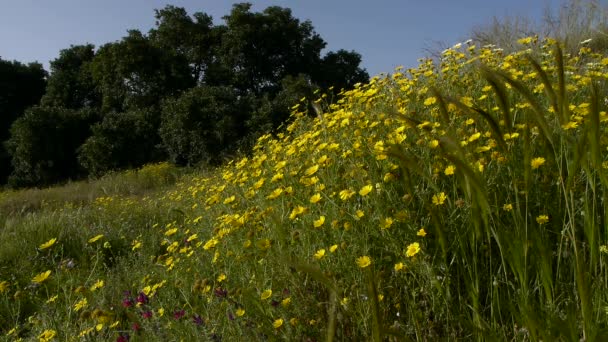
pixel 21 86
pixel 194 38
pixel 133 74
pixel 202 125
pixel 70 84
pixel 270 113
pixel 43 144
pixel 119 141
pixel 340 70
pixel 247 71
pixel 262 48
pixel 461 200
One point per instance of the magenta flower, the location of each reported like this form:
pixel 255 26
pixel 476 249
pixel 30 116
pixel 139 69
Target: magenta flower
pixel 123 338
pixel 179 314
pixel 142 298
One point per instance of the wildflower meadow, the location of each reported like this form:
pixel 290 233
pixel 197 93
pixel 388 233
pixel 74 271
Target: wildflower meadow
pixel 460 200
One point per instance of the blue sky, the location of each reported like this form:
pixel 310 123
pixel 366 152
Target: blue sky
pixel 386 33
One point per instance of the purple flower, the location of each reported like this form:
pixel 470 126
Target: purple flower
pixel 127 302
pixel 197 319
pixel 146 314
pixel 179 314
pixel 142 298
pixel 219 292
pixel 123 338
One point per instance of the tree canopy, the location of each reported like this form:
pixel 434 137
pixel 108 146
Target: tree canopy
pixel 189 90
pixel 21 86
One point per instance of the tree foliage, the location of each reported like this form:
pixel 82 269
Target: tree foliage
pixel 21 86
pixel 71 82
pixel 43 144
pixel 189 90
pixel 121 140
pixel 202 124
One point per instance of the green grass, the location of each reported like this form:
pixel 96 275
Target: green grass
pixel 462 200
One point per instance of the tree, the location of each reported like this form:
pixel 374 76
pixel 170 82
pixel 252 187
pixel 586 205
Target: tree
pixel 202 125
pixel 135 74
pixel 194 38
pixel 340 70
pixel 71 84
pixel 21 86
pixel 43 144
pixel 120 141
pixel 269 114
pixel 260 49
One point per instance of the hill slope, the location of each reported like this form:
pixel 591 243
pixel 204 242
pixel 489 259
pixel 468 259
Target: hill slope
pixel 463 198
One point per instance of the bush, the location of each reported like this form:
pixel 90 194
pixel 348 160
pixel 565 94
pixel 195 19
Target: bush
pixel 202 125
pixel 121 140
pixel 43 145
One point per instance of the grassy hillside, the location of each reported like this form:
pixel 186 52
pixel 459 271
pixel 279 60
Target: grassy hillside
pixel 464 199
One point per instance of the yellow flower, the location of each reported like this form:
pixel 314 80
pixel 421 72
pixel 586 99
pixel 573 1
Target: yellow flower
pixel 439 198
pixel 277 323
pixel 365 190
pixel 95 238
pixel 98 284
pixel 320 254
pixel 386 223
pixel 297 211
pixel 318 223
pixel 507 207
pixel 399 266
pixel 221 278
pixel 41 277
pixel 240 312
pixel 285 302
pixel 81 304
pixel 346 194
pixel 315 198
pixel 275 193
pixel 311 170
pixel 430 100
pixel 48 244
pixel 47 335
pixel 266 294
pixel 537 162
pixel 413 249
pixel 229 199
pixel 449 170
pixel 364 261
pixel 542 219
pixel 3 286
pixel 421 232
pixel 333 248
pixel 135 245
pixel 526 40
pixel 277 177
pixel 52 299
pixel 474 137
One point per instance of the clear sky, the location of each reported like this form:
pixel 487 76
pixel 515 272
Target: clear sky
pixel 386 33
